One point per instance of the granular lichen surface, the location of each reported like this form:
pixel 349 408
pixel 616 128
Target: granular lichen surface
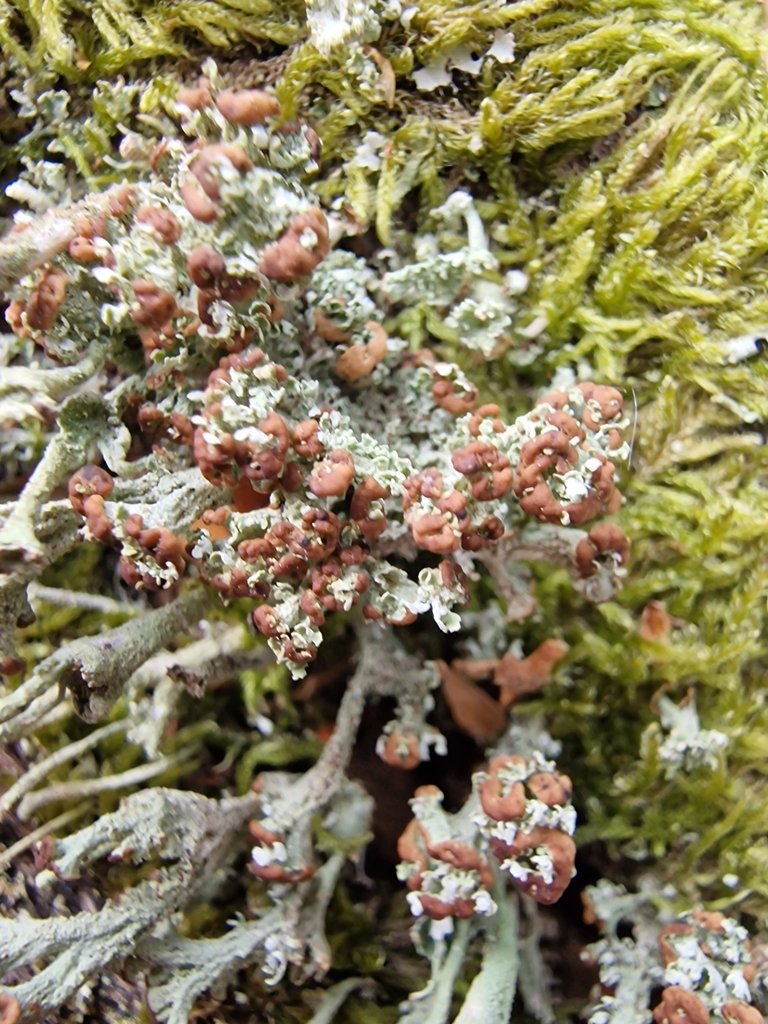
pixel 383 392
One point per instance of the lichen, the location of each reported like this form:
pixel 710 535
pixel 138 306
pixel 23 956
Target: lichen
pixel 542 195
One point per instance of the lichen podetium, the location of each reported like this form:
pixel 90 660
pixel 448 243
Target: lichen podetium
pixel 384 396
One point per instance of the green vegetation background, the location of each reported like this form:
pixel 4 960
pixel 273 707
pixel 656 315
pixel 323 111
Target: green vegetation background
pixel 620 162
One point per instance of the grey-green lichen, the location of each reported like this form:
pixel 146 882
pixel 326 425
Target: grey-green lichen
pixel 614 158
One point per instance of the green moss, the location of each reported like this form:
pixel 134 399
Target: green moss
pixel 83 42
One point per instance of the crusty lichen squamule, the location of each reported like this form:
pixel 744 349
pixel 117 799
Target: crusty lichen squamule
pixel 261 436
pixel 318 433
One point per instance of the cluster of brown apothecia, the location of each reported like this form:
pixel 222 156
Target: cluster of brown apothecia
pixel 709 965
pixel 334 457
pixel 699 968
pixel 518 821
pixel 316 503
pixel 185 259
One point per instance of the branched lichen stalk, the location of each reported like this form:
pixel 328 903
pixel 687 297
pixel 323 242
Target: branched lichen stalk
pixel 67 450
pixel 442 986
pixel 492 991
pixel 95 668
pixel 318 785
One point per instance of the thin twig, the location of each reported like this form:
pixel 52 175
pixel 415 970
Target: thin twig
pixel 81 599
pixel 43 768
pixel 8 855
pixel 42 701
pixel 82 788
pixel 316 787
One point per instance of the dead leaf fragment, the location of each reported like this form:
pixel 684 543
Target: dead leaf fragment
pixel 473 710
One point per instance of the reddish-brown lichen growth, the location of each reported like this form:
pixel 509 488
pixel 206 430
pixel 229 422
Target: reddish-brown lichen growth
pixel 162 221
pixel 87 481
pixel 489 412
pixel 331 477
pixel 455 504
pixel 321 533
pixel 206 267
pixel 256 548
pixel 712 920
pixel 679 1006
pixel 263 463
pixel 14 317
pixel 298 251
pixel 97 521
pixel 512 787
pixel 438 531
pixel 247 106
pixel 500 800
pixel 265 620
pixel 552 788
pixel 46 300
pixel 433 532
pixel 567 425
pixel 423 855
pixel 486 532
pixel 180 429
pixel 359 361
pixel 366 492
pixel 669 931
pixel 205 162
pixel 401 750
pixel 280 875
pixel 605 539
pixel 410 847
pixel 603 404
pixel 555 450
pixel 460 855
pixel 305 441
pixel 489 472
pixel 10 1009
pixel 162 545
pixel 83 250
pixel 738 1012
pixel 438 909
pixel 151 419
pixel 299 655
pixel 215 461
pixel 154 306
pixel 458 403
pixel 198 97
pixel 258 832
pixel 197 202
pixel 270 867
pixel 214 521
pixel 426 484
pixel 121 200
pixel 550 450
pixel 473 458
pixel 561 850
pixel 328 329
